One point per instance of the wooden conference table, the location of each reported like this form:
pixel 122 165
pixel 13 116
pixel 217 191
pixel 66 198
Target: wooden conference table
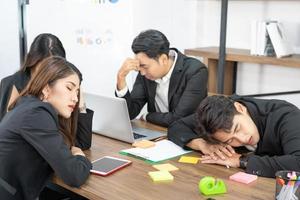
pixel 133 181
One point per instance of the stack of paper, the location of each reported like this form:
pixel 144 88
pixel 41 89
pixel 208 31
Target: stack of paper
pixel 162 150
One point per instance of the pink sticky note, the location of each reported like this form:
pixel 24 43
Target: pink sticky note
pixel 243 177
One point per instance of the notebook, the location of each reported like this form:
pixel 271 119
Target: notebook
pixel 163 150
pixel 111 118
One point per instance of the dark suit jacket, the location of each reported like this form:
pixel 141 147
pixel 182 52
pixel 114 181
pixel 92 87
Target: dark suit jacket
pixel 188 86
pixel 278 123
pixel 20 80
pixel 31 151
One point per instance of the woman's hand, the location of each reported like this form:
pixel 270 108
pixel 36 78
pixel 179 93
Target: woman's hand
pixel 82 106
pixel 77 151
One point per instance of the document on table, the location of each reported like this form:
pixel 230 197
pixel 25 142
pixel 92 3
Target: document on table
pixel 163 150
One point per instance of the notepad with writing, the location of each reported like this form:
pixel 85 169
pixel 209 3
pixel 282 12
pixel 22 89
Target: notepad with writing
pixel 163 150
pixel 243 177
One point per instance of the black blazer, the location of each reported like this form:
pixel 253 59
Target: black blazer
pixel 279 128
pixel 30 152
pixel 187 88
pixel 20 80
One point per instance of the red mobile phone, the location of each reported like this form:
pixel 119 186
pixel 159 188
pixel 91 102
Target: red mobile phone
pixel 107 165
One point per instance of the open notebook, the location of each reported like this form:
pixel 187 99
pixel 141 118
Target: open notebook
pixel 163 150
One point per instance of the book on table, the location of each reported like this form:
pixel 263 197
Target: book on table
pixel 163 150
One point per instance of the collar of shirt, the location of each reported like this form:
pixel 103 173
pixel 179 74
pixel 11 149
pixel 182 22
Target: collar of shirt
pixel 251 148
pixel 167 77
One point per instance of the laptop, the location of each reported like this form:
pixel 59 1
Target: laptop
pixel 111 118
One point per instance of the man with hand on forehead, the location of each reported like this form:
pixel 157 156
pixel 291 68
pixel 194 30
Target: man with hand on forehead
pixel 171 83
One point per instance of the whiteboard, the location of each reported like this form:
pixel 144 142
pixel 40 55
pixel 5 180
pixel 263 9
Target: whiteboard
pixel 9 40
pixel 96 34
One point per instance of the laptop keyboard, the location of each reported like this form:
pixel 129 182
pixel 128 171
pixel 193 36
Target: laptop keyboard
pixel 137 136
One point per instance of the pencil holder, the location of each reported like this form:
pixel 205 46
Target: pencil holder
pixel 287 185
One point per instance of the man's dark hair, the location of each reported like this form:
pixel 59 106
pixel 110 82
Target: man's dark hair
pixel 215 113
pixel 151 42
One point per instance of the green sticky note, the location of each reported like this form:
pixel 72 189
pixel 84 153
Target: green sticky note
pixel 161 176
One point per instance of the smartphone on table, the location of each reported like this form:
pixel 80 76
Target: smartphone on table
pixel 107 165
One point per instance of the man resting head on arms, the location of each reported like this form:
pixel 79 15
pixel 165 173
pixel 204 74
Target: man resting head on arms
pixel 269 128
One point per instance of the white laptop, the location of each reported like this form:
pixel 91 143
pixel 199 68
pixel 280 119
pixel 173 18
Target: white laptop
pixel 111 119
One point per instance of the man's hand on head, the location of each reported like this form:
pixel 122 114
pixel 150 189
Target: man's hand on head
pixel 128 65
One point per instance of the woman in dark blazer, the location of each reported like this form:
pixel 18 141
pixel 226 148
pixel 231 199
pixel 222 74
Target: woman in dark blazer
pixel 43 46
pixel 32 143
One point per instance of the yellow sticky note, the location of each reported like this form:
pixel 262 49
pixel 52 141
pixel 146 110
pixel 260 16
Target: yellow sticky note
pixel 165 167
pixel 188 159
pixel 161 176
pixel 143 144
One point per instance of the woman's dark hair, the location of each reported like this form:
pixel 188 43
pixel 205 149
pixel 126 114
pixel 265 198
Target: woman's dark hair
pixel 151 42
pixel 43 46
pixel 49 71
pixel 215 113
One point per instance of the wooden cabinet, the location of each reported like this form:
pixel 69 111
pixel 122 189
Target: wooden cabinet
pixel 210 57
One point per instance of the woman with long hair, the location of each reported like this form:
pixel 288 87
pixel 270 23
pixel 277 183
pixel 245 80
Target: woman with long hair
pixel 43 46
pixel 33 145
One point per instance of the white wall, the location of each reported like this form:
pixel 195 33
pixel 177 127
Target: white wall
pixel 253 78
pixel 125 19
pixel 9 38
pixel 96 36
pixel 176 19
pixel 187 23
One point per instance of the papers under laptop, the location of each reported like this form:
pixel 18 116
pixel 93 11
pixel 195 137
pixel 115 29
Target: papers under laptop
pixel 111 119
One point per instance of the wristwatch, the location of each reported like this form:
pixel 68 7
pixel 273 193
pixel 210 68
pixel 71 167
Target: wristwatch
pixel 243 161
